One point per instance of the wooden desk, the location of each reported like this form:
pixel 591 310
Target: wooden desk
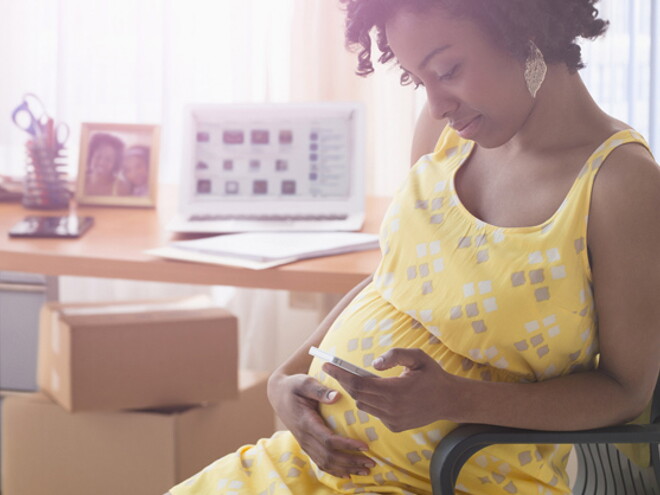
pixel 114 247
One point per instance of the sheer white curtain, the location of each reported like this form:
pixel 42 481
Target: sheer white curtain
pixel 622 67
pixel 655 76
pixel 139 61
pixel 323 69
pixel 143 60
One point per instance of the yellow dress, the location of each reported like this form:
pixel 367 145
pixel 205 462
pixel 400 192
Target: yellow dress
pixel 488 303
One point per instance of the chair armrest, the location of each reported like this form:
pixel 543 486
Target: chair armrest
pixel 466 440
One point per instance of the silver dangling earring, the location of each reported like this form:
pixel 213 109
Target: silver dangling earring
pixel 535 69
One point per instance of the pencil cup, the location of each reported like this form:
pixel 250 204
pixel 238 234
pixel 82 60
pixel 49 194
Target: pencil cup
pixel 45 180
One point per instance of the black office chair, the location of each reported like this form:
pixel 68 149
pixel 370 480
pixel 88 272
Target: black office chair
pixel 602 468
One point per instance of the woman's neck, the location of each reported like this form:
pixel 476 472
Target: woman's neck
pixel 564 115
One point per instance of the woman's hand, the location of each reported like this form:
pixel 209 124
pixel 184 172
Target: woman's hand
pixel 422 394
pixel 296 400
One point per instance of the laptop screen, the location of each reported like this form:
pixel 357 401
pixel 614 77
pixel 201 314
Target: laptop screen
pixel 272 152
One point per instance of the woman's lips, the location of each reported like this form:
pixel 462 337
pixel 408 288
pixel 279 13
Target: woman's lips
pixel 468 129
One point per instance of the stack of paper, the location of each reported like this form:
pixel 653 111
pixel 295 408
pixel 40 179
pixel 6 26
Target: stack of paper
pixel 258 250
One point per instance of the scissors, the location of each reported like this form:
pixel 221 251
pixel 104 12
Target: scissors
pixel 31 116
pixel 56 134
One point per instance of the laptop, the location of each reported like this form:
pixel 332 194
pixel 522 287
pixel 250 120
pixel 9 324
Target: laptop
pixel 272 167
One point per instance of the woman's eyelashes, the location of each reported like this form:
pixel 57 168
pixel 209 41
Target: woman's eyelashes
pixel 414 80
pixel 408 78
pixel 447 76
pixel 441 77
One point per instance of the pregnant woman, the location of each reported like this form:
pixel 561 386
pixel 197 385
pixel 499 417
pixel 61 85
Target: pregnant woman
pixel 519 280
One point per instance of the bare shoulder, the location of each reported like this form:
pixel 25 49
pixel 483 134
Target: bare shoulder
pixel 627 187
pixel 629 160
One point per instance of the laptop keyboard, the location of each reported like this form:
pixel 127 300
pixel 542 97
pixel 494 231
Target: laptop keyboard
pixel 267 218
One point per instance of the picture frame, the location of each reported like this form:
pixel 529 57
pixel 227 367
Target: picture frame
pixel 118 165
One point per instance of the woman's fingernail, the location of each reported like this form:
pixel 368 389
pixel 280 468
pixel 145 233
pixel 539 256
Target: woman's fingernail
pixel 331 395
pixel 377 362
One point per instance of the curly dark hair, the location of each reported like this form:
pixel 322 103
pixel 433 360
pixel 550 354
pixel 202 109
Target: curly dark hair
pixel 554 25
pixel 101 138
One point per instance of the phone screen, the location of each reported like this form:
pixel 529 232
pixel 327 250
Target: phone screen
pixel 341 363
pixel 63 227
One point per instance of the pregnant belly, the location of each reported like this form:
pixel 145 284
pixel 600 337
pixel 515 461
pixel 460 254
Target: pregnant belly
pixel 367 328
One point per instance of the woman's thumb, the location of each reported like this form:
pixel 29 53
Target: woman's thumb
pixel 315 390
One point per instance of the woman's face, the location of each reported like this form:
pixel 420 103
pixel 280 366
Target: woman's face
pixel 103 161
pixel 469 80
pixel 136 170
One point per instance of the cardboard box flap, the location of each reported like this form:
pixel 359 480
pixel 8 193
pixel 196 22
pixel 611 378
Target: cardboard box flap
pixel 163 315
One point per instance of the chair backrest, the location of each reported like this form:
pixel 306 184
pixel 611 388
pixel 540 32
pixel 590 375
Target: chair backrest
pixel 655 404
pixel 606 470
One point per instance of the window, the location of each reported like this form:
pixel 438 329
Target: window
pixel 622 70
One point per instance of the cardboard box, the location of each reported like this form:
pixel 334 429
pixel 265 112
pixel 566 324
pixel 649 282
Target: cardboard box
pixel 49 451
pixel 137 355
pixel 3 395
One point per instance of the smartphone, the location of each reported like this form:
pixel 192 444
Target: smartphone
pixel 62 227
pixel 345 365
